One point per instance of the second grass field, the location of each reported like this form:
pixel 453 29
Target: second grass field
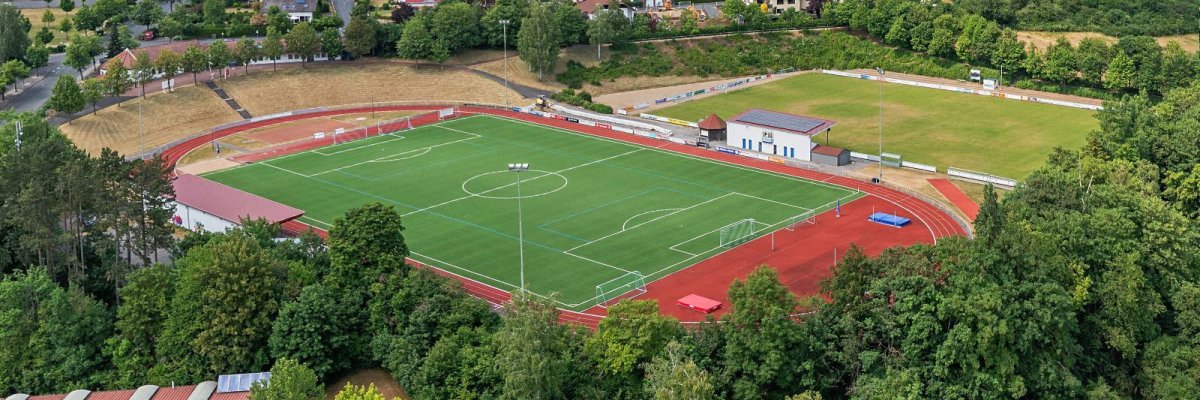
pixel 595 211
pixel 1009 138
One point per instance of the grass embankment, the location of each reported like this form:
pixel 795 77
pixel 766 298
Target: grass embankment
pixel 161 118
pixel 1002 137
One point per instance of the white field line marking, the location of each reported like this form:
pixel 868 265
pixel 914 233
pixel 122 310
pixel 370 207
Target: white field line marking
pixel 446 264
pixel 647 212
pixel 597 262
pixel 687 156
pixel 806 209
pixel 652 220
pixel 421 152
pixel 552 173
pixel 316 150
pixel 379 142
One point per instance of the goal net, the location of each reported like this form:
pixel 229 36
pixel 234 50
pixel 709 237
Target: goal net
pixel 630 285
pixel 808 218
pixel 737 232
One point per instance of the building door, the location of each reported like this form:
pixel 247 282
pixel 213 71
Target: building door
pixel 759 147
pixel 774 149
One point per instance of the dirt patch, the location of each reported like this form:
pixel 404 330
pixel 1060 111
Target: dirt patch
pixel 518 72
pixel 356 83
pixel 207 166
pixel 166 117
pixel 383 381
pixel 284 133
pixel 1042 40
pixel 485 55
pixel 631 98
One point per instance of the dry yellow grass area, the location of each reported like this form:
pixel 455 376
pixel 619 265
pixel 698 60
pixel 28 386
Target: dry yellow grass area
pixel 383 381
pixel 483 55
pixel 35 20
pixel 288 89
pixel 166 117
pixel 518 72
pixel 1042 40
pixel 625 84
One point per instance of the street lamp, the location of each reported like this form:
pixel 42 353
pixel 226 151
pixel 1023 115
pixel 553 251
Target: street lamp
pixel 518 168
pixel 504 25
pixel 880 71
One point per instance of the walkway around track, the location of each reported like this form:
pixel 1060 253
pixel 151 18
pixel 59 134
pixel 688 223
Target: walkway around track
pixel 939 223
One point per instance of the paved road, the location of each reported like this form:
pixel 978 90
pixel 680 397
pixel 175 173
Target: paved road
pixel 32 98
pixel 343 9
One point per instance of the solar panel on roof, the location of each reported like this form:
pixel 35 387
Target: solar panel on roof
pixel 779 120
pixel 240 382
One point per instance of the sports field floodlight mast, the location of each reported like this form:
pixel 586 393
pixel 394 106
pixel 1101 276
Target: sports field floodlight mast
pixel 880 71
pixel 504 26
pixel 518 168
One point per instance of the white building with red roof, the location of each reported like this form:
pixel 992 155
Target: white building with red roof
pixel 201 204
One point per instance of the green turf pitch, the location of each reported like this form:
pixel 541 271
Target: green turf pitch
pixel 946 129
pixel 594 209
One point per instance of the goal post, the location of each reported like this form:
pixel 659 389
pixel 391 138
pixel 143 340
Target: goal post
pixel 627 286
pixel 737 232
pixel 808 218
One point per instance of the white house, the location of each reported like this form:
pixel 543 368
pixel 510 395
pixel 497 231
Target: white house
pixel 775 133
pixel 297 10
pixel 201 204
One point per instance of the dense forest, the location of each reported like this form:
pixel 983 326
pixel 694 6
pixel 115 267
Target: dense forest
pixel 1113 17
pixel 1081 283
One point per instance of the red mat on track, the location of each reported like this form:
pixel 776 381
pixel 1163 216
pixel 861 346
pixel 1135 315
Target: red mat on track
pixel 956 196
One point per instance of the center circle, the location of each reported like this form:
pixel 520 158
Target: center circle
pixel 503 187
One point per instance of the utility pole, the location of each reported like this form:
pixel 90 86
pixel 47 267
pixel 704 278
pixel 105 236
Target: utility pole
pixel 504 24
pixel 880 70
pixel 518 168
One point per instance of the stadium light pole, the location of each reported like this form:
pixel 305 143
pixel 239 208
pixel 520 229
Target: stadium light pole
pixel 518 168
pixel 504 26
pixel 880 70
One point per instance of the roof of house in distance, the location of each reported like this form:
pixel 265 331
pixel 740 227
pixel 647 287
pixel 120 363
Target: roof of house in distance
pixel 290 6
pixel 203 391
pixel 787 122
pixel 712 122
pixel 129 56
pixel 228 203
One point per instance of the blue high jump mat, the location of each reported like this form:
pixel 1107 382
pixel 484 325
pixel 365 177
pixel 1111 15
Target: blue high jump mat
pixel 889 219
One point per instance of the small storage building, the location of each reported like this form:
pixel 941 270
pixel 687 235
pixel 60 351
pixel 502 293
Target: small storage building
pixel 776 133
pixel 713 128
pixel 213 207
pixel 828 155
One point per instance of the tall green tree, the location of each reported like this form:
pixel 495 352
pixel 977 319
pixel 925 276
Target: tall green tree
pixel 147 12
pixel 92 91
pixel 37 57
pixel 1094 55
pixel 673 375
pixel 416 43
pixel 272 46
pixel 531 349
pixel 246 52
pixel 228 293
pixel 86 19
pixel 195 60
pixel 169 64
pixel 11 72
pixel 1178 67
pixel 13 38
pixel 1060 62
pixel 1119 74
pixel 66 5
pixel 145 304
pixel 331 43
pixel 117 81
pixel 66 97
pixel 600 32
pixel 360 37
pixel 214 12
pixel 539 39
pixel 762 336
pixel 303 41
pixel 78 56
pixel 219 55
pixel 290 380
pixel 457 23
pixel 635 334
pixel 319 329
pixel 365 246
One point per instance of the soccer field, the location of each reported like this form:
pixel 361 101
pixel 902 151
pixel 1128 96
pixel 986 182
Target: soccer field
pixel 595 211
pixel 1009 138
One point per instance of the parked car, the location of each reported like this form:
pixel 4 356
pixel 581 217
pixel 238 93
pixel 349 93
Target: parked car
pixel 148 35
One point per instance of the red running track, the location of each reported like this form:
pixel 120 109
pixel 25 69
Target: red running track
pixel 803 257
pixel 956 196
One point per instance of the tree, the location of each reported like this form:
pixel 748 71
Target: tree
pixel 600 32
pixel 66 26
pixel 66 5
pixel 219 55
pixel 170 27
pixel 635 334
pixel 145 303
pixel 318 329
pixel 117 80
pixel 365 245
pixel 538 40
pixel 674 376
pixel 416 42
pixel 493 30
pixel 66 97
pixel 13 38
pixel 978 40
pixel 111 10
pixel 147 12
pixel 531 349
pixel 169 63
pixel 47 17
pixel 278 20
pixel 234 278
pixel 1178 67
pixel 290 380
pixel 45 36
pixel 92 90
pixel 303 41
pixel 86 19
pixel 143 70
pixel 37 56
pixel 457 23
pixel 331 43
pixel 194 60
pixel 246 52
pixel 272 46
pixel 897 34
pixel 1010 52
pixel 1119 75
pixel 1060 63
pixel 401 13
pixel 214 12
pixel 759 351
pixel 11 72
pixel 1094 55
pixel 360 37
pixel 119 39
pixel 354 392
pixel 572 24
